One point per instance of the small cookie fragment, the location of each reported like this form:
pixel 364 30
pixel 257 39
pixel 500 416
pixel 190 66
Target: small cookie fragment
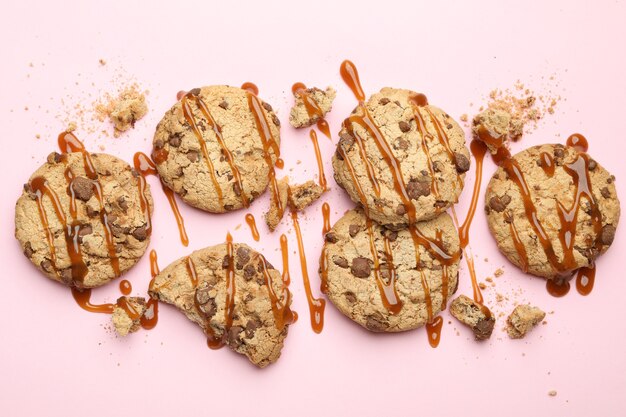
pixel 276 211
pixel 303 195
pixel 523 319
pixel 124 110
pixel 300 117
pixel 474 315
pixel 127 314
pixel 496 127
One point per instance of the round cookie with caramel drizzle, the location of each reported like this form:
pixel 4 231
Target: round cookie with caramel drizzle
pixel 401 149
pixel 84 218
pixel 374 276
pixel 216 147
pixel 235 295
pixel 552 209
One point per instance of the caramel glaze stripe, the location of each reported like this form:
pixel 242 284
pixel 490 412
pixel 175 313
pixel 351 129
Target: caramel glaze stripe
pixel 421 128
pixel 217 129
pixel 445 141
pixel 369 168
pixel 280 305
pixel 517 242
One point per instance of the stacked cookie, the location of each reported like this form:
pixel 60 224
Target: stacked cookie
pixel 391 264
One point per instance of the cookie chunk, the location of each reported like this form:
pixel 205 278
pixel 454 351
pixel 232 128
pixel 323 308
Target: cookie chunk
pixel 320 103
pixel 214 147
pixel 522 320
pixel 127 314
pixel 401 158
pixel 84 223
pixel 552 210
pixel 496 127
pixel 474 315
pixel 390 288
pixel 130 107
pixel 278 204
pixel 303 195
pixel 254 323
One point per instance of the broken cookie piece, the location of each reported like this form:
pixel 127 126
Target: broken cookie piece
pixel 124 110
pixel 303 195
pixel 311 105
pixel 278 204
pixel 476 316
pixel 523 319
pixel 495 127
pixel 127 314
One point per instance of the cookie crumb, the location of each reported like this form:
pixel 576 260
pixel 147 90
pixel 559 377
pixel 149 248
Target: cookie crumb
pixel 464 117
pixel 299 116
pixel 498 272
pixel 303 195
pixel 476 316
pixel 127 314
pixel 552 393
pixel 71 126
pixel 522 320
pixel 102 62
pixel 124 110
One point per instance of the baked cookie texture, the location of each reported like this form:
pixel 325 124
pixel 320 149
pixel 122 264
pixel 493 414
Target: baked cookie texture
pixel 473 315
pixel 351 277
pixel 126 317
pixel 121 201
pixel 512 228
pixel 130 108
pixel 432 165
pixel 303 195
pixel 277 200
pixel 180 159
pixel 255 331
pixel 522 320
pixel 496 128
pixel 299 116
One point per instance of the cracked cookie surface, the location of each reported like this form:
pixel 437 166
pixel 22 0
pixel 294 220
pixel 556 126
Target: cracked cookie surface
pixel 351 273
pixel 225 181
pixel 86 232
pixel 428 145
pixel 552 175
pixel 258 327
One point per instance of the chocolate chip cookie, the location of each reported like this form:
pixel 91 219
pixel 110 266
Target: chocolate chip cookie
pixel 386 280
pixel 552 209
pixel 254 322
pixel 84 220
pixel 215 147
pixel 400 158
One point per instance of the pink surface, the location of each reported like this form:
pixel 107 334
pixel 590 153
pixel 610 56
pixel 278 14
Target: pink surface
pixel 56 359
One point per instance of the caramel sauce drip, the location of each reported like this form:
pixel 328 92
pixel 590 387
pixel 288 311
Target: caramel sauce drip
pixel 160 155
pixel 280 164
pixel 444 140
pixel 585 279
pixel 318 157
pixel 421 128
pixel 250 88
pixel 70 143
pixel 323 127
pixel 269 144
pixel 128 308
pixel 180 95
pixel 217 129
pixel 546 162
pixel 231 285
pixel 350 76
pixel 280 305
pixel 284 250
pixel 316 305
pixel 69 178
pixel 433 330
pixel 144 165
pixel 252 225
pixel 191 270
pixel 502 155
pixel 578 142
pixel 125 287
pixel 362 152
pixel 490 138
pixel 558 287
pixel 326 217
pixel 517 241
pixel 311 106
pixel 478 150
pixel 83 297
pixel 324 271
pixel 151 315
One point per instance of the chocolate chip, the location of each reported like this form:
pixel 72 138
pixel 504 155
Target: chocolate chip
pixel 330 237
pixel 391 235
pixel 121 201
pixel 345 140
pixel 350 297
pixel 404 126
pixel 28 250
pixel 437 166
pixel 251 327
pixel 416 189
pixel 401 144
pixel 192 156
pixel 461 162
pixel 340 261
pixel 353 230
pixel 234 339
pixel 175 141
pixel 440 204
pixel 400 210
pixel 605 192
pixel 383 101
pixel 243 256
pixel 499 203
pixel 158 144
pixel 484 328
pixel 223 104
pixel 592 165
pixel 267 106
pixel 361 267
pixel 82 187
pixel 46 265
pixel 607 235
pixel 237 189
pixel 85 230
pixel 249 272
pixel 92 212
pixel 194 91
pixel 559 153
pixel 119 248
pixel 376 324
pixel 275 120
pixel 226 262
pixel 54 158
pixel 140 233
pixel 202 294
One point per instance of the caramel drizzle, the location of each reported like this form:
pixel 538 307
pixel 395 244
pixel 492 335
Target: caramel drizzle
pixel 585 279
pixel 83 299
pixel 517 241
pixel 433 330
pixel 252 225
pixel 231 285
pixel 368 164
pixel 316 305
pixel 478 150
pixel 280 309
pixel 191 270
pixel 424 134
pixel 269 143
pixel 284 250
pixel 324 271
pixel 546 162
pixel 312 109
pixel 151 315
pixel 130 310
pixel 318 157
pixel 125 287
pixel 326 217
pixel 70 143
pixel 489 137
pixel 444 140
pixel 217 129
pixel 578 142
pixel 250 88
pixel 144 165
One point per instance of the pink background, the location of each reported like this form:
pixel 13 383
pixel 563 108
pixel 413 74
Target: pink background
pixel 56 359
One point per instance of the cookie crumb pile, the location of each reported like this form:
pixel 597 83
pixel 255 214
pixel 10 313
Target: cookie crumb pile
pixel 124 110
